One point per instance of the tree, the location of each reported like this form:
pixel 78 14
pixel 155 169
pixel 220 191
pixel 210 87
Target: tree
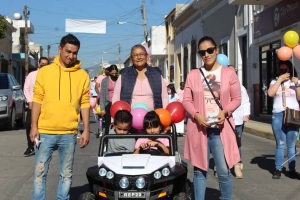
pixel 3 27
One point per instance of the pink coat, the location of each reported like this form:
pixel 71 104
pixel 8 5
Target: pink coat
pixel 196 143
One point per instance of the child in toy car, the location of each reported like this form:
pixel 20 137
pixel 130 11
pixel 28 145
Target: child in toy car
pixel 122 125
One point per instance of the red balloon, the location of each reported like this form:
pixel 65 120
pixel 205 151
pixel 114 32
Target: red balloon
pixel 119 105
pixel 177 111
pixel 164 116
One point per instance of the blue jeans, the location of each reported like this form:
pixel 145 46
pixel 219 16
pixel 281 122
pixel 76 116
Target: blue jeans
pixel 225 179
pixel 239 129
pixel 284 136
pixel 66 147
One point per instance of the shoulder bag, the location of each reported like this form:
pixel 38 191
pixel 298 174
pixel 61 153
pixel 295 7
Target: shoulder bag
pixel 291 116
pixel 237 135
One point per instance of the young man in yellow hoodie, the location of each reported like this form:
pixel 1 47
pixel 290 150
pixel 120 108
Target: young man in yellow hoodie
pixel 59 89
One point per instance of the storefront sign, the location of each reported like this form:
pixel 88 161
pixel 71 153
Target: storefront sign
pixel 279 16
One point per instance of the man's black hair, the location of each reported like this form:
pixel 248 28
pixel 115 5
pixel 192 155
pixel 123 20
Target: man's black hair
pixel 71 39
pixel 43 58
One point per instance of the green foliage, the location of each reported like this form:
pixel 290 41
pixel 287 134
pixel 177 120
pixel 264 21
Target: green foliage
pixel 3 27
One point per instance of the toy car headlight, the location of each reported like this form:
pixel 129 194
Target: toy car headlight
pixel 124 183
pixel 102 172
pixel 3 98
pixel 165 171
pixel 157 174
pixel 110 175
pixel 140 182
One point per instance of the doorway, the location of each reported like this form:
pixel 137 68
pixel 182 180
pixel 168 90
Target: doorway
pixel 268 62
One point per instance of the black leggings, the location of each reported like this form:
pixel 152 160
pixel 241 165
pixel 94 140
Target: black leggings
pixel 107 118
pixel 28 127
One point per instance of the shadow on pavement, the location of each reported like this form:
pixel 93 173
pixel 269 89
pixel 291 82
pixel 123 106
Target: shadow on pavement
pixel 75 192
pixel 265 162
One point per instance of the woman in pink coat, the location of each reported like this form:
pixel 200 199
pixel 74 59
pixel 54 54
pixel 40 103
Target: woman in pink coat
pixel 207 127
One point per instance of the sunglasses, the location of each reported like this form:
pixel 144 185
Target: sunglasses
pixel 209 51
pixel 283 71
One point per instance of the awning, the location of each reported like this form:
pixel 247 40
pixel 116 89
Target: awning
pixel 20 58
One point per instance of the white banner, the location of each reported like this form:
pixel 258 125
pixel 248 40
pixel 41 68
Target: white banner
pixel 85 26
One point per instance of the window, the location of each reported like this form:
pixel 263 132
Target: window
pixel 3 81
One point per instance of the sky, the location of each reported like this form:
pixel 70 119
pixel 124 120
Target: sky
pixel 48 18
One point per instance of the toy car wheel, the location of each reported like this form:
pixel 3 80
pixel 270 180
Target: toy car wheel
pixel 87 196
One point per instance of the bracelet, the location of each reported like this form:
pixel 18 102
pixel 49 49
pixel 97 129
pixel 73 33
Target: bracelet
pixel 297 86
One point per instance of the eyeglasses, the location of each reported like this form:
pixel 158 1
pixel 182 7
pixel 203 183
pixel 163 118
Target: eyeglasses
pixel 210 100
pixel 209 51
pixel 283 71
pixel 139 55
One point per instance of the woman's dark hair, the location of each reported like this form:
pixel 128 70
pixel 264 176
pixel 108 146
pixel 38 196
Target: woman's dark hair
pixel 289 65
pixel 151 119
pixel 136 47
pixel 123 116
pixel 182 84
pixel 113 67
pixel 172 88
pixel 207 38
pixel 71 39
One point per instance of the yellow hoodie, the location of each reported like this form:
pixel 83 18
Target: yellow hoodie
pixel 60 91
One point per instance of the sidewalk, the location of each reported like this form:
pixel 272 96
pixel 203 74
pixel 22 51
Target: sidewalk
pixel 261 126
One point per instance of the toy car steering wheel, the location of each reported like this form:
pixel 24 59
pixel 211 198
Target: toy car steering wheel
pixel 152 151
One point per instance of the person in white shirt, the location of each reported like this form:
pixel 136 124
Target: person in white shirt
pixel 240 116
pixel 285 136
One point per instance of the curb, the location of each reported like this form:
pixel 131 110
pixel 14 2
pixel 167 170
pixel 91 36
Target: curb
pixel 264 134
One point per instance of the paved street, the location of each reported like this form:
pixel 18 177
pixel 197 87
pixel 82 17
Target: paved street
pixel 258 156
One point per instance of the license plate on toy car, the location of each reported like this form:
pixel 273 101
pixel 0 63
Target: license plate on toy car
pixel 131 195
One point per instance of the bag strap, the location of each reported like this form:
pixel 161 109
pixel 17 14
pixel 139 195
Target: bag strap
pixel 283 95
pixel 216 100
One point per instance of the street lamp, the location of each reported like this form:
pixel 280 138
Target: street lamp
pixel 145 29
pixel 119 55
pixel 48 48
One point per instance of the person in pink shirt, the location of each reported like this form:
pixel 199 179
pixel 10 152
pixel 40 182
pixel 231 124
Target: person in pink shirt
pixel 99 80
pixel 180 91
pixel 141 83
pixel 28 92
pixel 218 137
pixel 107 91
pixel 152 125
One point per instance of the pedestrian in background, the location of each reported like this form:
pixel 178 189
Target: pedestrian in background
pixel 28 92
pixel 100 78
pixel 240 116
pixel 180 91
pixel 60 88
pixel 284 135
pixel 107 92
pixel 217 137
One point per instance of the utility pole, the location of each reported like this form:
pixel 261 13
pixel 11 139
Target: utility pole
pixel 48 50
pixel 26 13
pixel 145 22
pixel 119 55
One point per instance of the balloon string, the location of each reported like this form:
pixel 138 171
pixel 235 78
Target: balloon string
pixel 293 64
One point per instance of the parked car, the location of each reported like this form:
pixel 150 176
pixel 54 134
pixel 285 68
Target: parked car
pixel 12 102
pixel 151 174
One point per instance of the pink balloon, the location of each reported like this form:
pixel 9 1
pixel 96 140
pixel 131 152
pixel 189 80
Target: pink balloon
pixel 296 51
pixel 138 115
pixel 92 102
pixel 284 53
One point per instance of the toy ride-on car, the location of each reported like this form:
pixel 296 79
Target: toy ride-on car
pixel 151 174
